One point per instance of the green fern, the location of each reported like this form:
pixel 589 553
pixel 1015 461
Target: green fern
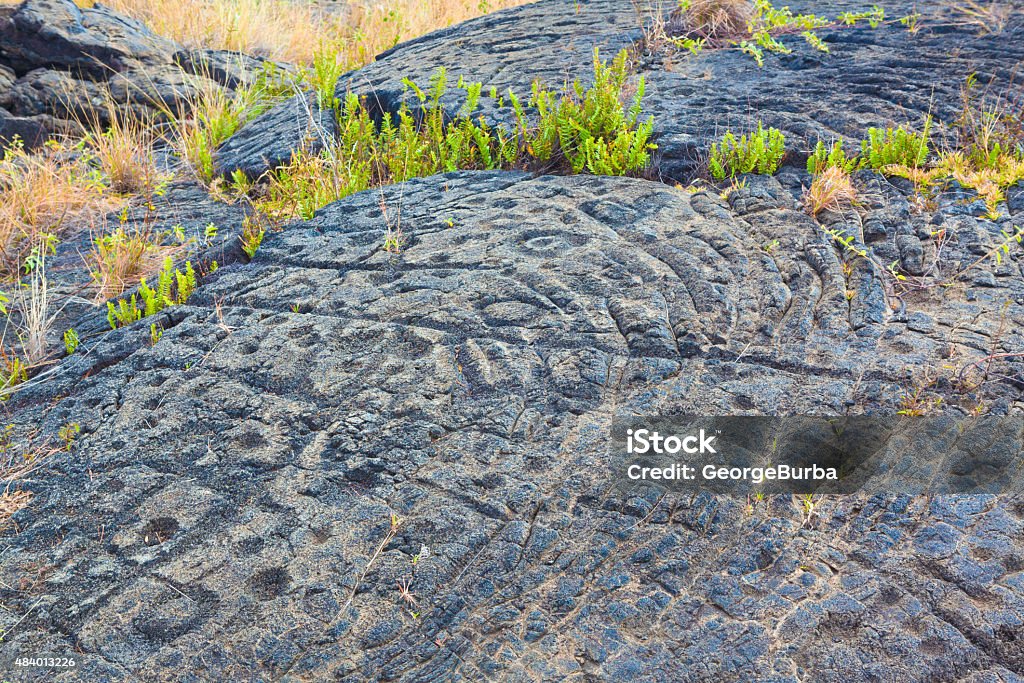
pixel 759 152
pixel 824 157
pixel 125 313
pixel 71 341
pixel 593 128
pixel 596 129
pixel 896 147
pixel 173 288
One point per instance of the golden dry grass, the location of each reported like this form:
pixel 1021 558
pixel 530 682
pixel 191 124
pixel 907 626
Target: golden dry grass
pixel 41 194
pixel 294 31
pixel 118 260
pixel 716 18
pixel 985 17
pixel 832 189
pixel 125 154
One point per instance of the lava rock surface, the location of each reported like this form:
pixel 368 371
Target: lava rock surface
pixel 227 511
pixel 61 64
pixel 231 484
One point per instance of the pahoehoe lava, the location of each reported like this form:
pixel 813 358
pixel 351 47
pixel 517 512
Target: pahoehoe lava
pixel 217 517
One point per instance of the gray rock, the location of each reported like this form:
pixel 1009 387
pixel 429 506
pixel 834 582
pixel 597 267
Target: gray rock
pixel 219 510
pixel 228 68
pixel 296 123
pixel 94 41
pixel 59 53
pixel 921 322
pixel 986 278
pixel 7 79
pixel 220 514
pixel 46 91
pixel 32 131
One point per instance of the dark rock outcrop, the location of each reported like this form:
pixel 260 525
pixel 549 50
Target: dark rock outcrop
pixel 226 511
pixel 871 77
pixel 297 123
pixel 219 511
pixel 59 63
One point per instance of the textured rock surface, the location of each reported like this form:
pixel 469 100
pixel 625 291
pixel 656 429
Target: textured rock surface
pixel 54 52
pixel 231 482
pixel 220 515
pixel 296 123
pixel 179 215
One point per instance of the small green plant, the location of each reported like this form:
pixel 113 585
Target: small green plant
pixel 328 66
pixel 847 242
pixel 37 254
pixel 155 333
pixel 894 272
pixel 252 235
pixel 173 288
pixel 693 45
pixel 68 433
pixel 241 184
pixel 808 507
pixel 917 402
pixel 991 130
pixel 594 130
pixel 124 313
pixel 910 21
pixel 896 147
pixel 874 17
pixel 769 22
pixel 1009 237
pixel 394 240
pixel 760 152
pixel 71 341
pixel 13 372
pixel 754 28
pixel 824 157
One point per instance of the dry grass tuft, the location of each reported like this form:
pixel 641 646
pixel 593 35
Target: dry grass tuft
pixel 118 260
pixel 715 19
pixel 832 189
pixel 42 194
pixel 293 32
pixel 125 154
pixel 986 17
